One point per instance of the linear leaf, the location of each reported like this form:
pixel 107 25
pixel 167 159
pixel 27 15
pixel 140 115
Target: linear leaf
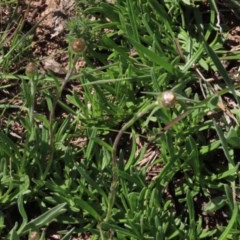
pixel 230 224
pixel 45 218
pixel 161 61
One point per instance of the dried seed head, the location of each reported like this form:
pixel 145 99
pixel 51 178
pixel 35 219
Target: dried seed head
pixel 79 45
pixel 31 68
pixel 167 99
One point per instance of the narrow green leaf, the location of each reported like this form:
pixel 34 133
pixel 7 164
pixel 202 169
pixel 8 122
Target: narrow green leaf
pixel 13 233
pixel 125 232
pixel 221 70
pixel 155 58
pixel 193 156
pixel 43 119
pixel 215 204
pixel 88 208
pixel 45 218
pixel 84 174
pixel 22 212
pixel 11 146
pixel 162 15
pixel 224 145
pixel 103 144
pixel 68 235
pixel 230 225
pixel 191 212
pixel 131 158
pixel 132 17
pixel 229 196
pixel 91 143
pixel 231 172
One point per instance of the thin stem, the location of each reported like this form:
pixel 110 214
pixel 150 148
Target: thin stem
pixel 170 124
pixel 114 182
pixel 52 115
pixel 33 90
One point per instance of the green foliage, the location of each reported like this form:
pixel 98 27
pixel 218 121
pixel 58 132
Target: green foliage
pixel 68 165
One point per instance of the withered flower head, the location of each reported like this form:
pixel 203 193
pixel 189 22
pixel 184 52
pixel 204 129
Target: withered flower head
pixel 79 45
pixel 166 99
pixel 31 68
